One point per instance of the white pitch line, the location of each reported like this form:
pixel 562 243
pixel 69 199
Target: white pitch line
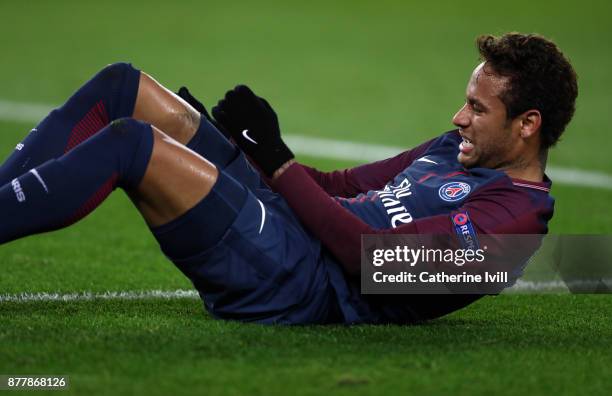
pixel 23 112
pixel 521 287
pixel 351 151
pixel 330 148
pixel 108 295
pixel 525 286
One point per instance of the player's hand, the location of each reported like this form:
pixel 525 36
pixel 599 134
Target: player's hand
pixel 184 94
pixel 253 124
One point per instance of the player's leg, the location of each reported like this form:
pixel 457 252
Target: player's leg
pixel 118 91
pixel 109 95
pixel 127 154
pixel 250 260
pixel 178 180
pixel 63 190
pixel 161 107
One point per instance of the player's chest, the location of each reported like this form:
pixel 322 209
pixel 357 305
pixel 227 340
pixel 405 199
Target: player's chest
pixel 436 182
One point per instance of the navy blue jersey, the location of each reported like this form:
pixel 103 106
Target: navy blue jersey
pixel 433 184
pixel 421 191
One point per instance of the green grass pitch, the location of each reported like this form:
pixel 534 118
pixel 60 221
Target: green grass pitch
pixel 387 72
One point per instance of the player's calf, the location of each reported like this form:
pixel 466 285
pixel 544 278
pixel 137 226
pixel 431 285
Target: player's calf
pixel 64 190
pixel 109 95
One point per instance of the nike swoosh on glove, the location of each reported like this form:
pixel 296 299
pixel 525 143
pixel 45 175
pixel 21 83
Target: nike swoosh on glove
pixel 253 124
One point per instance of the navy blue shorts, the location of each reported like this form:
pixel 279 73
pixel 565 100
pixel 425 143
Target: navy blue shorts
pixel 265 267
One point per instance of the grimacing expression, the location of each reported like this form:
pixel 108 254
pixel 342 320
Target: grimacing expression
pixel 488 136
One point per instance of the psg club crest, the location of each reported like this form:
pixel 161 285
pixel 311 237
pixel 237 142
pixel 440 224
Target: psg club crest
pixel 454 191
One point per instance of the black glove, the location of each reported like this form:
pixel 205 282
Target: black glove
pixel 184 93
pixel 253 124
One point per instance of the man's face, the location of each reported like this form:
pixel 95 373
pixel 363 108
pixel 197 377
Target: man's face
pixel 488 136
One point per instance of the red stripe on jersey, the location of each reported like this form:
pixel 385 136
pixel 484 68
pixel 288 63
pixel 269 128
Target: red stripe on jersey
pixel 427 176
pixel 532 186
pixel 454 174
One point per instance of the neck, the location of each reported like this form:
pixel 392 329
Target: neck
pixel 531 170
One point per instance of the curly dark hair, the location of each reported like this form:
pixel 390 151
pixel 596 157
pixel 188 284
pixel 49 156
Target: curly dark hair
pixel 540 77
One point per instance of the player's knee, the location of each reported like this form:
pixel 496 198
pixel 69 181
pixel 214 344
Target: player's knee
pixel 114 72
pixel 124 127
pixel 130 142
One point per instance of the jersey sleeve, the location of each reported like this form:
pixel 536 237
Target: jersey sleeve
pixel 494 209
pixel 373 176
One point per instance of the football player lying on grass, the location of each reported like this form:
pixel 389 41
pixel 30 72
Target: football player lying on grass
pixel 283 246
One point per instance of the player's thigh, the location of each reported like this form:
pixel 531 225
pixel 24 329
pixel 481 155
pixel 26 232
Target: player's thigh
pixel 175 180
pixel 211 144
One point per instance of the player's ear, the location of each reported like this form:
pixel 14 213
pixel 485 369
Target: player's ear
pixel 530 123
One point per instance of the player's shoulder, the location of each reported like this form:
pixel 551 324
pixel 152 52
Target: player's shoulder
pixel 499 183
pixel 524 206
